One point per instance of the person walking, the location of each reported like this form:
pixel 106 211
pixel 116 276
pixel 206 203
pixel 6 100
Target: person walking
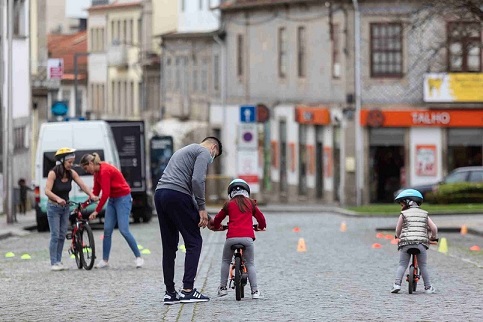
pixel 57 188
pixel 180 205
pixel 109 180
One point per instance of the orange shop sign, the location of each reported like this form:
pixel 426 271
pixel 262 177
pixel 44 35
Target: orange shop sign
pixel 312 115
pixel 422 118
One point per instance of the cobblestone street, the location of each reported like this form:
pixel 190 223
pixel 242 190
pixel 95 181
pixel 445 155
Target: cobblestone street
pixel 340 277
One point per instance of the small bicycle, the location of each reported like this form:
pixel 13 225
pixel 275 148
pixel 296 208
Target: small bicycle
pixel 413 275
pixel 83 246
pixel 238 270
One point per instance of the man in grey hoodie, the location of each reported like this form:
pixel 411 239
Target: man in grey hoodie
pixel 180 204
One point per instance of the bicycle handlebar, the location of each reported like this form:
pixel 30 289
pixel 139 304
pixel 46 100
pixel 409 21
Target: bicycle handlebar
pixel 255 227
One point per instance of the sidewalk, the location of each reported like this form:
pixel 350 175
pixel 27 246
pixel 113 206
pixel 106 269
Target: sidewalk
pixel 20 228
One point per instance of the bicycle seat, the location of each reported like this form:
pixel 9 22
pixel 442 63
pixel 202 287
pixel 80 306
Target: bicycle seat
pixel 414 251
pixel 237 246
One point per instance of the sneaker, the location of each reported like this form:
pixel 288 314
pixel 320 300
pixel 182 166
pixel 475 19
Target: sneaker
pixel 193 296
pixel 102 264
pixel 256 294
pixel 396 288
pixel 429 290
pixel 57 267
pixel 139 262
pixel 171 298
pixel 222 291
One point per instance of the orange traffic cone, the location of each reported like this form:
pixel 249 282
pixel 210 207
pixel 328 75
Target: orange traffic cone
pixel 394 241
pixel 296 229
pixel 464 230
pixel 343 226
pixel 475 248
pixel 301 246
pixel 379 235
pixel 376 245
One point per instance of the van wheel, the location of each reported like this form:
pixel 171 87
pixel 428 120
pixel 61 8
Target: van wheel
pixel 147 215
pixel 42 224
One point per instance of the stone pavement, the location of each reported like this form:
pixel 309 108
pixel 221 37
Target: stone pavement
pixel 339 277
pixel 449 223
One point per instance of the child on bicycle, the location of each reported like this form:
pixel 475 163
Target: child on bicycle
pixel 412 231
pixel 240 209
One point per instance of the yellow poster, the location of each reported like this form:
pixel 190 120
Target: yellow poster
pixel 453 87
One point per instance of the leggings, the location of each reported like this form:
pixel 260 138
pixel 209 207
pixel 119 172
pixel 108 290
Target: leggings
pixel 404 258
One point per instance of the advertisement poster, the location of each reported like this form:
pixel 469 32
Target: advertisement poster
pixel 161 150
pixel 453 87
pixel 328 164
pixel 425 160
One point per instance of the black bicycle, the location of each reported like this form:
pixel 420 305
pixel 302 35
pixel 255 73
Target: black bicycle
pixel 238 269
pixel 83 246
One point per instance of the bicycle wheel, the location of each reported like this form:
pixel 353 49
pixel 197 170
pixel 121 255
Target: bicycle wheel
pixel 88 249
pixel 238 284
pixel 415 283
pixel 411 280
pixel 77 249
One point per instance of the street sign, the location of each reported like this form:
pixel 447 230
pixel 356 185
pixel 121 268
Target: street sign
pixel 247 114
pixel 247 136
pixel 59 108
pixel 247 167
pixel 55 68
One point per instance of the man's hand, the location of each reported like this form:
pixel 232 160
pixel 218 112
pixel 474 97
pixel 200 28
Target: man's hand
pixel 93 215
pixel 203 218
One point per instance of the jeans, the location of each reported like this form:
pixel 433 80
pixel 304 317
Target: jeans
pixel 118 211
pixel 248 253
pixel 177 213
pixel 58 217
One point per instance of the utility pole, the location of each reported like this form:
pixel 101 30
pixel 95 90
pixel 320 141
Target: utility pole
pixel 8 117
pixel 2 107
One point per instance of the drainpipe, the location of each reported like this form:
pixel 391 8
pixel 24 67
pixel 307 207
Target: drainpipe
pixel 223 81
pixel 357 82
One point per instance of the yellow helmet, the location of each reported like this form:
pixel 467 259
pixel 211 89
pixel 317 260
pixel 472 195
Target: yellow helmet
pixel 64 152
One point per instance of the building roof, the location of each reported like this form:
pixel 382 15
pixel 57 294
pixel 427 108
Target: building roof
pixel 66 46
pixel 247 4
pixel 185 35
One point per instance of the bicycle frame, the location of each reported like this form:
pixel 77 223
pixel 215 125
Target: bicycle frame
pixel 238 281
pixel 78 247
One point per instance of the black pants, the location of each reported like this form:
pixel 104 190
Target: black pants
pixel 177 213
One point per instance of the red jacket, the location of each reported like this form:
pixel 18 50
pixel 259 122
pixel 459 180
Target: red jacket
pixel 240 224
pixel 112 183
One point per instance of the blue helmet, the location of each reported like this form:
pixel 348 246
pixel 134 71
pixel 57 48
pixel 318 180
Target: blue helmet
pixel 410 194
pixel 238 184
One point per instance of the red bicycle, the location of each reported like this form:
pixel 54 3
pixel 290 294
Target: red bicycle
pixel 413 275
pixel 83 246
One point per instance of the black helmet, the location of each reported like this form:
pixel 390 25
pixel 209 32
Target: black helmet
pixel 238 184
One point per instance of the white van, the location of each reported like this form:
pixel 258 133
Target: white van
pixel 85 137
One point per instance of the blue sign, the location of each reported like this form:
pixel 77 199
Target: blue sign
pixel 59 108
pixel 247 114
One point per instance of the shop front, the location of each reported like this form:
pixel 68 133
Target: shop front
pixel 410 147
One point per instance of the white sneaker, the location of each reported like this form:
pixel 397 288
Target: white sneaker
pixel 396 288
pixel 430 290
pixel 222 291
pixel 139 262
pixel 102 264
pixel 57 267
pixel 256 295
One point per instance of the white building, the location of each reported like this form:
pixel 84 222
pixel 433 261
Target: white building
pixel 198 16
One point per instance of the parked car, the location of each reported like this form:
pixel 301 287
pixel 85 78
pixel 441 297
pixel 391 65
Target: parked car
pixel 463 174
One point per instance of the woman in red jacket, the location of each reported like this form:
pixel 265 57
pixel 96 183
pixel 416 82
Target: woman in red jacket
pixel 109 180
pixel 240 209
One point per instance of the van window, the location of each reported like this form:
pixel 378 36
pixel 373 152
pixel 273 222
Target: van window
pixel 49 161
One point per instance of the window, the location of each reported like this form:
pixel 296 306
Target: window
pixel 239 59
pixel 201 4
pixel 204 75
pixel 335 51
pixel 195 86
pixel 183 5
pixel 19 18
pixel 19 138
pixel 177 79
pixel 386 50
pixel 464 53
pixel 282 53
pixel 301 70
